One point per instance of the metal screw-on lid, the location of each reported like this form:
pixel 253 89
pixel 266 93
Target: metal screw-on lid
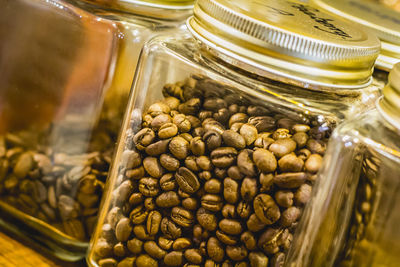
pixel 389 104
pixel 378 18
pixel 287 39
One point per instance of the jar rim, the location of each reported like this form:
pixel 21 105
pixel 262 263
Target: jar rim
pixel 311 57
pixel 381 20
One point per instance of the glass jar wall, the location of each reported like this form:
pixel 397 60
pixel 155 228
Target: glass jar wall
pixel 353 218
pixel 66 74
pixel 218 153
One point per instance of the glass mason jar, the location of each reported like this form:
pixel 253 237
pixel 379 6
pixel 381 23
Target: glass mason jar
pixel 67 70
pixel 353 217
pixel 224 133
pixel 378 18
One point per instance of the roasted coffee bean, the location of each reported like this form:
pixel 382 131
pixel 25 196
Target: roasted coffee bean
pixel 157 148
pixel 269 240
pixel 289 216
pixel 281 133
pixel 246 164
pixel 282 147
pixel 263 140
pixel 182 217
pixel 254 224
pixel 243 209
pixel 109 262
pixel 23 165
pixel 119 250
pixel 248 190
pixel 230 226
pixel 234 173
pixel 249 240
pixel 174 258
pixel 229 211
pixel 172 102
pixel 168 182
pixel 153 167
pixel 303 194
pixel 313 163
pixel 103 248
pixel 236 253
pixel 215 249
pixel 144 138
pixel 266 181
pixel 238 117
pixel 123 230
pixel 316 146
pixel 204 163
pixel 127 262
pixel 212 202
pixel 145 260
pixel 130 159
pixel 179 147
pixel 190 203
pixel 138 215
pixel 284 198
pixel 206 219
pixel 149 203
pixel 231 190
pixel 135 246
pixel 190 107
pixel 300 138
pixel 153 222
pixel 212 140
pixel 262 123
pixel 135 173
pixel 278 260
pixel 233 139
pixel 181 243
pixel 213 186
pixel 165 243
pixel 225 238
pixel 141 233
pixel 264 160
pixel 194 121
pixel 290 180
pixel 158 108
pixel 191 164
pixel 214 126
pixel 266 209
pixel 258 259
pixel 236 127
pixel 160 120
pixel 170 229
pixel 182 123
pixel 249 133
pixel 154 250
pixel 197 146
pixel 290 163
pixel 149 187
pixel 187 180
pixel 167 200
pixel 193 256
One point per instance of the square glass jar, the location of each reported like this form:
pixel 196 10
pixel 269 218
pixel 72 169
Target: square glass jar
pixel 67 69
pixel 204 148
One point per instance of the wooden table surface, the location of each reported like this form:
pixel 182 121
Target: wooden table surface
pixel 14 252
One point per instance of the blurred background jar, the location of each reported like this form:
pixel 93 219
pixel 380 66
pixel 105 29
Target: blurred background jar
pixel 66 72
pixel 353 217
pixel 378 18
pixel 394 4
pixel 225 131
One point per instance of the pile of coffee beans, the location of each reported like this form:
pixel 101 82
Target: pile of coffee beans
pixel 357 243
pixel 211 177
pixel 61 189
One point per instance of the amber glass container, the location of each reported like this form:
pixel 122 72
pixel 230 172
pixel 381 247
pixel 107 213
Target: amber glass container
pixel 66 71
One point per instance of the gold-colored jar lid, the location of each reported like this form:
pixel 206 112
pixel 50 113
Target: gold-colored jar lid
pixel 378 18
pixel 287 40
pixel 389 104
